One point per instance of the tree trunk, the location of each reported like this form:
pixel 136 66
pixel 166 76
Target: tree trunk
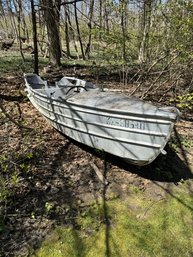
pixel 73 33
pixel 18 8
pixel 52 18
pixel 78 31
pixel 146 23
pixel 88 47
pixel 36 70
pixel 106 16
pixel 2 13
pixel 100 13
pixel 12 19
pixel 67 32
pixel 123 27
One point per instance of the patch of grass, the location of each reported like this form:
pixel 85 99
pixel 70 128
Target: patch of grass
pixel 132 227
pixel 13 62
pixel 11 166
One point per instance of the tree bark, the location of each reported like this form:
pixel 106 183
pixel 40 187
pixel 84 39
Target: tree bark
pixel 52 18
pixel 2 13
pixel 36 69
pixel 78 31
pixel 106 16
pixel 12 19
pixel 146 23
pixel 88 47
pixel 18 8
pixel 67 32
pixel 123 27
pixel 71 30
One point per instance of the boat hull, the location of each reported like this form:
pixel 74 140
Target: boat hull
pixel 134 137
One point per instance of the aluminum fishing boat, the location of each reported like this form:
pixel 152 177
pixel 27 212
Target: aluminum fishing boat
pixel 123 126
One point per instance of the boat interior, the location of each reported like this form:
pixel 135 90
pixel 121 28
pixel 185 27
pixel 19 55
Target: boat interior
pixel 65 86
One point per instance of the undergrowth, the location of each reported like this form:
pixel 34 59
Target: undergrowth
pixel 12 62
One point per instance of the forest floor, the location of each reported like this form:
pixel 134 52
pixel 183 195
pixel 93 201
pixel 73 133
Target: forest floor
pixel 48 179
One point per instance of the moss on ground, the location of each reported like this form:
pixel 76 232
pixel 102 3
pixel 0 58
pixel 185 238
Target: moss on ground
pixel 153 228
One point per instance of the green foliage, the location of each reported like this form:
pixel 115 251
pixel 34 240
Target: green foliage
pixel 10 168
pixel 180 15
pixel 183 140
pixel 13 62
pixel 184 102
pixel 131 227
pixel 108 46
pixel 48 206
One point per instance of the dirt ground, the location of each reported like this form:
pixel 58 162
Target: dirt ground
pixel 52 178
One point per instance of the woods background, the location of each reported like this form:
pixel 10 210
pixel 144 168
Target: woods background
pixel 155 37
pixel 48 187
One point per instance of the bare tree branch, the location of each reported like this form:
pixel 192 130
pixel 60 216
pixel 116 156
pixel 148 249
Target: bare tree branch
pixel 71 2
pixel 10 118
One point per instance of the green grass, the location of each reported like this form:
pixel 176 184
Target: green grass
pixel 12 61
pixel 136 226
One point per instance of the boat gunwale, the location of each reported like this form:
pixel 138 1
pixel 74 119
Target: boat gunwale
pixel 53 120
pixel 140 117
pixel 121 128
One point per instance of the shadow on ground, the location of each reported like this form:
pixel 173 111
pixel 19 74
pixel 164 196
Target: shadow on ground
pixel 61 184
pixel 49 195
pixel 166 168
pixel 169 168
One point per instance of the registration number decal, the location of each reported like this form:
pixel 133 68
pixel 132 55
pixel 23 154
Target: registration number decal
pixel 132 124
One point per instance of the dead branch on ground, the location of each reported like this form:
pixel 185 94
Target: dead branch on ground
pixel 10 118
